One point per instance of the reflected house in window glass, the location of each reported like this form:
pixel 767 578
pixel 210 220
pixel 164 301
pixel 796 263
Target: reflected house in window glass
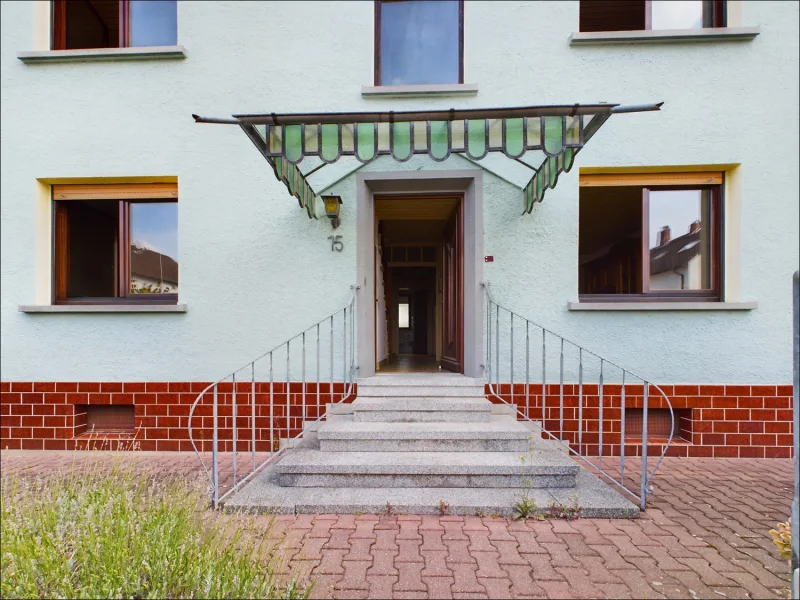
pixel 83 24
pixel 154 249
pixel 419 42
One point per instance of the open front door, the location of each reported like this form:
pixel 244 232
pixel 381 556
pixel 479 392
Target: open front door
pixel 452 295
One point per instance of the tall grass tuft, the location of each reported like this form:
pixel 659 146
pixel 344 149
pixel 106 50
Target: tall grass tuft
pixel 115 533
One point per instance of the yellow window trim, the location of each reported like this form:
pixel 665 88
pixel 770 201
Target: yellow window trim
pixel 650 179
pixel 116 191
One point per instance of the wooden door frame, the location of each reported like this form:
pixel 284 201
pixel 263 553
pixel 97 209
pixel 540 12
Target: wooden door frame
pixel 468 182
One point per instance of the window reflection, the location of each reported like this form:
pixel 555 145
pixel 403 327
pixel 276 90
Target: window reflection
pixel 680 240
pixel 677 14
pixel 419 42
pixel 154 22
pixel 154 248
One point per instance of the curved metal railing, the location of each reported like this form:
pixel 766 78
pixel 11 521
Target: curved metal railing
pixel 580 435
pixel 276 410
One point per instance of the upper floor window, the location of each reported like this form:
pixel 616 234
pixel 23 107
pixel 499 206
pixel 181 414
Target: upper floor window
pixel 81 24
pixel 419 42
pixel 634 15
pixel 650 236
pixel 116 243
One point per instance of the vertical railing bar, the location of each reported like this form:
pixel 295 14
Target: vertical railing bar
pixel 288 396
pixel 561 394
pixel 271 410
pixel 527 369
pixel 600 416
pixel 622 432
pixel 352 343
pixel 486 369
pixel 303 388
pixel 580 401
pixel 330 391
pixel 511 337
pixel 253 412
pixel 215 454
pixel 544 374
pixel 344 351
pixel 318 379
pixel 233 431
pixel 643 487
pixel 497 345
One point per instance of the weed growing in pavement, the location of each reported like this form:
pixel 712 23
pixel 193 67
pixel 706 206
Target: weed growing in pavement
pixel 570 511
pixel 390 510
pixel 782 538
pixel 112 532
pixel 444 509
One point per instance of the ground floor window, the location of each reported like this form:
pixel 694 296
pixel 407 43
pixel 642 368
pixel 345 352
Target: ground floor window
pixel 650 236
pixel 115 243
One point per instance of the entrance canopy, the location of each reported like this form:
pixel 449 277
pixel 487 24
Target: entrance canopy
pixel 545 139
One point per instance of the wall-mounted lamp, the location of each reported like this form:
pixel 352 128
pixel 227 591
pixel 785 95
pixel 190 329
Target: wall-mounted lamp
pixel 332 204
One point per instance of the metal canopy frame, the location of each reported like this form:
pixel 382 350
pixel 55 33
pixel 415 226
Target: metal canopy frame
pixel 557 132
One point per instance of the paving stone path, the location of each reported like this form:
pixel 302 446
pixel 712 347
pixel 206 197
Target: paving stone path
pixel 704 535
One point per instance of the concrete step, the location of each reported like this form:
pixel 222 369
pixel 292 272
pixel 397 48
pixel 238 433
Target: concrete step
pixel 433 379
pixel 420 409
pixel 496 435
pixel 424 390
pixel 313 468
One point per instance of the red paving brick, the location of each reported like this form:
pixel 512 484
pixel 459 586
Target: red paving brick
pixel 705 534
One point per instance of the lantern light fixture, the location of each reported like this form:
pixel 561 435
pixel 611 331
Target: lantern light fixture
pixel 332 204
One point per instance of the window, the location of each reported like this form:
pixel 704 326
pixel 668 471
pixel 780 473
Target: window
pixel 419 42
pixel 116 243
pixel 402 314
pixel 79 24
pixel 650 236
pixel 107 418
pixel 634 15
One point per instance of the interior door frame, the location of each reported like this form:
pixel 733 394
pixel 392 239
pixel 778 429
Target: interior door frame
pixel 468 182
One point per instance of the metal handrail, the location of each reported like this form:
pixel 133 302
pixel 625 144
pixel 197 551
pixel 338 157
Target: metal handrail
pixel 492 377
pixel 348 371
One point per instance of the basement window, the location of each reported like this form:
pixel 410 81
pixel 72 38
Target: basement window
pixel 83 24
pixel 638 15
pixel 659 424
pixel 108 418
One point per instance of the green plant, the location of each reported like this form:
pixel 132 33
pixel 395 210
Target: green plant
pixel 558 510
pixel 526 508
pixel 782 538
pixel 114 533
pixel 390 509
pixel 444 508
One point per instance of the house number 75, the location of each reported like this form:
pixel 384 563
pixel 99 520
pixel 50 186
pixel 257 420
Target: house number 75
pixel 337 245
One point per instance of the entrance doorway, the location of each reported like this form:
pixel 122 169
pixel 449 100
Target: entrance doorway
pixel 418 252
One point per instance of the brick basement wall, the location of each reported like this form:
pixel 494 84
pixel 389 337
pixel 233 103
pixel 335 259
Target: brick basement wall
pixel 715 420
pixel 744 421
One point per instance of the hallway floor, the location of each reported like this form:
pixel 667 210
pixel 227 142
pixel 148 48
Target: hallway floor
pixel 410 363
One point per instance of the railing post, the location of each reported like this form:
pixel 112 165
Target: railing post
pixel 622 432
pixel 497 345
pixel 600 416
pixel 214 455
pixel 303 384
pixel 527 369
pixel 233 424
pixel 544 377
pixel 319 381
pixel 643 497
pixel 511 328
pixel 561 394
pixel 253 412
pixel 271 410
pixel 344 351
pixel 288 397
pixel 580 401
pixel 796 409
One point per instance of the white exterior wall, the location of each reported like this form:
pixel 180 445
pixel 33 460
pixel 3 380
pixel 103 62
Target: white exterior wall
pixel 254 270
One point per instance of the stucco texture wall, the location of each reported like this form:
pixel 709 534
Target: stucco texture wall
pixel 255 271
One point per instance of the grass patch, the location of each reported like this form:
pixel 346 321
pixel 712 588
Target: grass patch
pixel 113 533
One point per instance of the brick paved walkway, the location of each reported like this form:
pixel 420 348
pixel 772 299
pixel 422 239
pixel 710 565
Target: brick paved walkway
pixel 704 535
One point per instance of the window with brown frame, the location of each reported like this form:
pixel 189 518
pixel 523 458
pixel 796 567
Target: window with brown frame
pixel 419 42
pixel 82 24
pixel 115 243
pixel 650 237
pixel 636 15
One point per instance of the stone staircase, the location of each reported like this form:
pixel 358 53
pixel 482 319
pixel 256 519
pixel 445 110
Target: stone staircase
pixel 416 441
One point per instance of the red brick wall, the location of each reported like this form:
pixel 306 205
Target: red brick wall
pixel 44 415
pixel 746 421
pixel 716 420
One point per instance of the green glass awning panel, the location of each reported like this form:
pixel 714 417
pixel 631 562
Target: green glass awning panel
pixel 552 134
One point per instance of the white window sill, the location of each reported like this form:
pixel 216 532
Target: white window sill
pixel 660 306
pixel 424 91
pixel 102 308
pixel 661 36
pixel 103 54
